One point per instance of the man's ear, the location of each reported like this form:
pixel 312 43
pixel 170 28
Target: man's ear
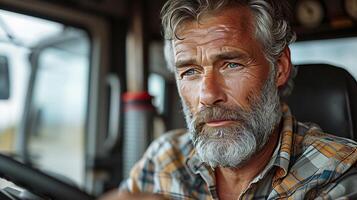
pixel 283 68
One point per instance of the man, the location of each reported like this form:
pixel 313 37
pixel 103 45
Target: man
pixel 232 66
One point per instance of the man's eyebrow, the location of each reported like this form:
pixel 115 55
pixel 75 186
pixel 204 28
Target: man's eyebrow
pixel 229 55
pixel 220 56
pixel 185 62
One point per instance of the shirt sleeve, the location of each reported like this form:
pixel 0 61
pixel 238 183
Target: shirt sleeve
pixel 142 175
pixel 140 178
pixel 343 188
pixel 148 175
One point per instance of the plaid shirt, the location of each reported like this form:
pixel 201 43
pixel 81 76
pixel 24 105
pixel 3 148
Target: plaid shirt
pixel 306 164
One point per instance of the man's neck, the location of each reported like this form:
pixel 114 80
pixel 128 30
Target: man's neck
pixel 231 182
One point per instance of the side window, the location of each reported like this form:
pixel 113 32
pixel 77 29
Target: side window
pixel 339 52
pixel 158 75
pixel 157 83
pixel 59 106
pixel 45 116
pixel 162 86
pixel 157 90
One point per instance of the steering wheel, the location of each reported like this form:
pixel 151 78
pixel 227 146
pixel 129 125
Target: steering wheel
pixel 38 182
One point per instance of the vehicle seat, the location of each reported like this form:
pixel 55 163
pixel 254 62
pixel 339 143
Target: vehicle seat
pixel 326 95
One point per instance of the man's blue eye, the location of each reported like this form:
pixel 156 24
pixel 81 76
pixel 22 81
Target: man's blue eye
pixel 233 65
pixel 189 72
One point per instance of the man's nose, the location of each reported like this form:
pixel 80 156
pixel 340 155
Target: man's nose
pixel 212 92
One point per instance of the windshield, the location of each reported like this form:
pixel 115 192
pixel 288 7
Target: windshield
pixel 46 113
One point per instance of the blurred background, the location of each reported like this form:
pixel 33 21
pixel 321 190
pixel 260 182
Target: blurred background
pixel 84 87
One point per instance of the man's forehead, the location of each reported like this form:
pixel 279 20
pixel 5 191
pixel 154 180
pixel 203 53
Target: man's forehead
pixel 217 30
pixel 237 18
pixel 220 27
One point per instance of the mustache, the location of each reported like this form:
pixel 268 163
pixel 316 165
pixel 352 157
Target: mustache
pixel 216 113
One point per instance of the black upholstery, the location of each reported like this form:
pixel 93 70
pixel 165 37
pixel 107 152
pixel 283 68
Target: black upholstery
pixel 326 95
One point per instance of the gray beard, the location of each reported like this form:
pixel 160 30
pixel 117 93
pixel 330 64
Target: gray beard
pixel 233 145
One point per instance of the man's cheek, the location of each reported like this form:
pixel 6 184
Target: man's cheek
pixel 188 97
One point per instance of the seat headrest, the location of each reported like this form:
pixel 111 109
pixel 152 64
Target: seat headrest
pixel 326 95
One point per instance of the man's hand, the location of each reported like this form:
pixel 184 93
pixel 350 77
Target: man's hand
pixel 116 195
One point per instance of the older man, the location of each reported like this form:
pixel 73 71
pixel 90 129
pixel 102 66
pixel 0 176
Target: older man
pixel 232 65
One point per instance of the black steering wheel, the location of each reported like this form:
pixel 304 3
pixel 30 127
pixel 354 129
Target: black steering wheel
pixel 38 182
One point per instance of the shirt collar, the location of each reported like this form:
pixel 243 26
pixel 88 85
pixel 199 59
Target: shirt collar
pixel 286 134
pixel 194 162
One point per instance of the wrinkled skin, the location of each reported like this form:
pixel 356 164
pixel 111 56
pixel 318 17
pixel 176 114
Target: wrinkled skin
pixel 220 62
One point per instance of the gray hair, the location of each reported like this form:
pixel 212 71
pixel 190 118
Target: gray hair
pixel 272 28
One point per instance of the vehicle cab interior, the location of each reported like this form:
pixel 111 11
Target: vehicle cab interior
pixel 84 88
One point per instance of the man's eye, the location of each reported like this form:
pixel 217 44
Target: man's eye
pixel 233 65
pixel 189 72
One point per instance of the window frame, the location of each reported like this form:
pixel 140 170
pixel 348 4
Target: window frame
pixel 97 29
